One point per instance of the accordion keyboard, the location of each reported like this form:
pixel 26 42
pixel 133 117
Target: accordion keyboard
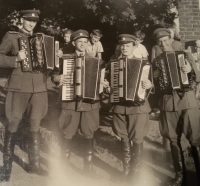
pixel 68 88
pixel 114 97
pixel 184 76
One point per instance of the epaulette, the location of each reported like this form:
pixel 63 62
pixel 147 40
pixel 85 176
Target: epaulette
pixel 68 56
pixel 13 32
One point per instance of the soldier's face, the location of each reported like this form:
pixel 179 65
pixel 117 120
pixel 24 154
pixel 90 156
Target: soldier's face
pixel 81 44
pixel 28 25
pixel 127 49
pixel 165 43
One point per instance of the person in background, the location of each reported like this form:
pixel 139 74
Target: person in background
pixel 66 47
pixel 95 48
pixel 27 91
pixel 140 51
pixel 179 114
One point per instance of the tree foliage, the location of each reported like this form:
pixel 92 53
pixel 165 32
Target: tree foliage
pixel 111 16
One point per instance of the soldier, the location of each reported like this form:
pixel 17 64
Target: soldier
pixel 27 91
pixel 75 113
pixel 179 114
pixel 131 122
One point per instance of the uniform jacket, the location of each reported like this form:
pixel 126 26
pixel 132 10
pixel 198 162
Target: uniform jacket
pixel 128 110
pixel 80 105
pixel 19 81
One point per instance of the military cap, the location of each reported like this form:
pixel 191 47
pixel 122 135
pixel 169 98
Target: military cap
pixel 79 34
pixel 160 32
pixel 32 15
pixel 126 38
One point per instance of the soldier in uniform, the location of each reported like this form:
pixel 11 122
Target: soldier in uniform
pixel 27 91
pixel 179 114
pixel 75 113
pixel 131 122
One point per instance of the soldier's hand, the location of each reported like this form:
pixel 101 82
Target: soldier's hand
pixel 156 73
pixel 21 55
pixel 55 79
pixel 186 68
pixel 66 79
pixel 105 84
pixel 146 84
pixel 60 53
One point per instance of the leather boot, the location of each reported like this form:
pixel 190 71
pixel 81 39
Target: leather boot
pixel 126 159
pixel 196 157
pixel 8 152
pixel 65 148
pixel 136 161
pixel 34 153
pixel 179 165
pixel 88 165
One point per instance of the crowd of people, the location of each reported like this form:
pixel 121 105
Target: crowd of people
pixel 27 93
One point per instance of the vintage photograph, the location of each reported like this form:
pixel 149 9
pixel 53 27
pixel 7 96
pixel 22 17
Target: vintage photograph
pixel 100 92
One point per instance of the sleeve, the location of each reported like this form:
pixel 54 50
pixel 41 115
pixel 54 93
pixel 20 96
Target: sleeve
pixel 194 67
pixel 145 54
pixel 100 47
pixel 5 47
pixel 153 54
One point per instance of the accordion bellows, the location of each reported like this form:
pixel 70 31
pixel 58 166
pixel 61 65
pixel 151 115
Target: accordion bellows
pixel 126 76
pixel 40 52
pixel 172 78
pixel 83 79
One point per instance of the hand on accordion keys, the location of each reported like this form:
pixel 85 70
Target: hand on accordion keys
pixel 105 85
pixel 146 84
pixel 186 68
pixel 60 53
pixel 66 79
pixel 21 55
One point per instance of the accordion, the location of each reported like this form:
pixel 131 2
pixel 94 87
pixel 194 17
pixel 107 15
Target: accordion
pixel 83 79
pixel 40 52
pixel 172 78
pixel 126 76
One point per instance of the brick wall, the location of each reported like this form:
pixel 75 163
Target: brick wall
pixel 189 18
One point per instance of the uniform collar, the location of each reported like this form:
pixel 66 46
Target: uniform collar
pixel 22 31
pixel 80 53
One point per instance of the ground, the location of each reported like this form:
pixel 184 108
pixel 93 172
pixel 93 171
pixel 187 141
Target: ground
pixel 156 169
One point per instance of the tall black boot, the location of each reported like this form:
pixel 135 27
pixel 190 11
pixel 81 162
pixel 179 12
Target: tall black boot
pixel 179 165
pixel 126 159
pixel 88 159
pixel 65 148
pixel 196 157
pixel 136 161
pixel 8 152
pixel 34 153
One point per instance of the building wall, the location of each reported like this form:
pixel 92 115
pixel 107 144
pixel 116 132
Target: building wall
pixel 189 20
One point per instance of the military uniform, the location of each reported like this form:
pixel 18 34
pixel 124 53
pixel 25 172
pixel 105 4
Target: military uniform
pixel 27 91
pixel 180 114
pixel 131 124
pixel 77 113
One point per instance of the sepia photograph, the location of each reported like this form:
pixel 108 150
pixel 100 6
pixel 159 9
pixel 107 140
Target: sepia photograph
pixel 100 92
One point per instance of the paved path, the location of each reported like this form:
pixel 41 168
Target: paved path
pixel 157 168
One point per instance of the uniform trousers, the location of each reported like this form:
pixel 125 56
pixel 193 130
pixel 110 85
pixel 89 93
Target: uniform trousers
pixel 70 120
pixel 134 127
pixel 171 128
pixel 35 105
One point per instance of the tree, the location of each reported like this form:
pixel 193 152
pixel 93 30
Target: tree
pixel 111 16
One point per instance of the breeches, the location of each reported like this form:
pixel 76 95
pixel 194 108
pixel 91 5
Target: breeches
pixel 173 124
pixel 70 120
pixel 35 105
pixel 135 126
